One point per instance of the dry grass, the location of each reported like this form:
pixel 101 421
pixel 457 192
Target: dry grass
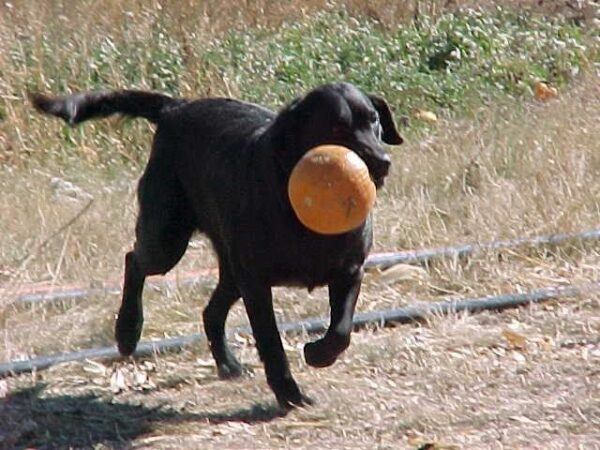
pixel 456 380
pixel 459 381
pixel 522 379
pixel 511 169
pixel 533 175
pixel 213 17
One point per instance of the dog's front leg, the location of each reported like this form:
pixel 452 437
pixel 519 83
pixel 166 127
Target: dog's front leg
pixel 343 293
pixel 259 306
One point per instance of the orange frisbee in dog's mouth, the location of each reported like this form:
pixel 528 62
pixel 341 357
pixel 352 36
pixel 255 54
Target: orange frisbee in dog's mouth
pixel 330 190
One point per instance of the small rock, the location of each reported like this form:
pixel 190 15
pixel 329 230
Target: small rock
pixel 63 190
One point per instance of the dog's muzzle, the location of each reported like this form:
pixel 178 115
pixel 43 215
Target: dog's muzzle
pixel 379 168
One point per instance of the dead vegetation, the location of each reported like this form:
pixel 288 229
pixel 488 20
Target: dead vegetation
pixel 521 379
pixel 526 378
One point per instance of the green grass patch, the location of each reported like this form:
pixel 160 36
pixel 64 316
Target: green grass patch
pixel 428 63
pixel 442 64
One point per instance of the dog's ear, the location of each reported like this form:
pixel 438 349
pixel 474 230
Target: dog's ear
pixel 390 133
pixel 301 108
pixel 284 134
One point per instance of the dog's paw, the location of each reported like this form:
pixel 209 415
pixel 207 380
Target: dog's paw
pixel 126 346
pixel 234 369
pixel 288 394
pixel 295 400
pixel 127 338
pixel 318 355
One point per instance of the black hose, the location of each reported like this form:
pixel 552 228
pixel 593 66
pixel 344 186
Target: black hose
pixel 385 260
pixel 381 260
pixel 80 293
pixel 401 315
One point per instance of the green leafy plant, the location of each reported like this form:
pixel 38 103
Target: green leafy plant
pixel 441 63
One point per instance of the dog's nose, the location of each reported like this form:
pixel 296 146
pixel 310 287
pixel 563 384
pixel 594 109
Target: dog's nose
pixel 383 164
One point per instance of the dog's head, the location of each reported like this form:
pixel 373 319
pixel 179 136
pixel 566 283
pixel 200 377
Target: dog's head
pixel 340 114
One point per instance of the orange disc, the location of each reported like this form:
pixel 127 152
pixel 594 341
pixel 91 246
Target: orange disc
pixel 330 190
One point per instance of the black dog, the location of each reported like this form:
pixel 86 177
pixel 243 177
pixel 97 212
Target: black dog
pixel 221 166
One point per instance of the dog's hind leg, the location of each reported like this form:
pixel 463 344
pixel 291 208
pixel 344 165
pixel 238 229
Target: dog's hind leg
pixel 163 231
pixel 215 314
pixel 343 294
pixel 128 328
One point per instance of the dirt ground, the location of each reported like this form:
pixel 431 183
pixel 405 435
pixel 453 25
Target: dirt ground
pixel 526 378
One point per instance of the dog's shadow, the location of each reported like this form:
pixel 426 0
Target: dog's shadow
pixel 34 419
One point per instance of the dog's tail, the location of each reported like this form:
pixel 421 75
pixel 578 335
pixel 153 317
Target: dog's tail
pixel 77 108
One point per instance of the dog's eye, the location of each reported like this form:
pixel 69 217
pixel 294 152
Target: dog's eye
pixel 373 117
pixel 376 126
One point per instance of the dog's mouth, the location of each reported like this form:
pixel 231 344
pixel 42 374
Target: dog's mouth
pixel 379 169
pixel 378 181
pixel 378 176
pixel 378 166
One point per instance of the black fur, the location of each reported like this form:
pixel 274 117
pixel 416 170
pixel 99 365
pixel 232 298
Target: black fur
pixel 221 166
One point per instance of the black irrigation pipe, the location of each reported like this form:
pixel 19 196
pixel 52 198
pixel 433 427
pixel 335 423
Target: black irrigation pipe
pixel 407 314
pixel 380 260
pixel 81 293
pixel 385 260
